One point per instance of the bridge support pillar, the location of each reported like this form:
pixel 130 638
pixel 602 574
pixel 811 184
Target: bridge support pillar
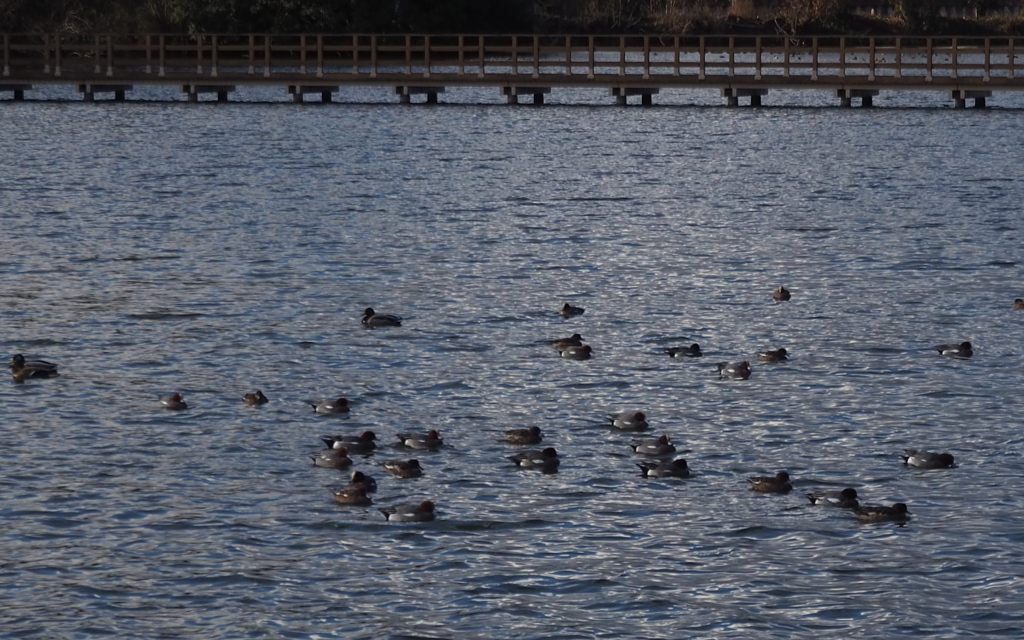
pixel 866 96
pixel 193 91
pixel 89 91
pixel 961 96
pixel 512 93
pixel 405 93
pixel 732 95
pixel 18 90
pixel 299 91
pixel 623 93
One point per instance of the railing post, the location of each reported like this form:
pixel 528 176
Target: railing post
pixel 426 56
pixel 266 56
pixel 252 54
pixel 536 57
pixel 373 54
pixel 956 60
pixel 568 55
pixel 757 64
pixel 899 57
pixel 320 55
pixel 408 55
pixel 785 54
pixel 7 55
pixel 199 54
pixel 213 57
pixel 462 55
pixel 149 54
pixel 97 54
pixel 647 57
pixel 515 55
pixel 928 64
pixel 814 58
pixel 871 63
pixel 302 54
pixel 842 56
pixel 590 56
pixel 988 59
pixel 622 55
pixel 703 54
pixel 732 56
pixel 480 54
pixel 110 55
pixel 675 56
pixel 1012 58
pixel 56 56
pixel 163 57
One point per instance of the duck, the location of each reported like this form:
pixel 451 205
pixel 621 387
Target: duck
pixel 1018 304
pixel 777 355
pixel 359 480
pixel 577 353
pixel 664 469
pixel 334 458
pixel 422 512
pixel 845 499
pixel 779 483
pixel 927 459
pixel 174 402
pixel 529 435
pixel 629 420
pixel 653 446
pixel 575 340
pixel 428 440
pixel 374 320
pixel 255 398
pixel 568 311
pixel 403 468
pixel 329 407
pixel 354 497
pixel 22 369
pixel 692 351
pixel 896 513
pixel 781 294
pixel 361 444
pixel 735 371
pixel 545 461
pixel 962 350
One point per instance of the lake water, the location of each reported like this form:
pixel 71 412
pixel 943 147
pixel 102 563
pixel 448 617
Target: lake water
pixel 155 246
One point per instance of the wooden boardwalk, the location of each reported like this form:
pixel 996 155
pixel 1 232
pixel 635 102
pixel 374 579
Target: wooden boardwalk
pixel 965 68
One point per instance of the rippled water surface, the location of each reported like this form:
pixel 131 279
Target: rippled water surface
pixel 215 249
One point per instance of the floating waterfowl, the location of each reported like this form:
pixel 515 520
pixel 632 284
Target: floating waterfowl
pixel 546 461
pixel 569 311
pixel 1018 304
pixel 927 459
pixel 577 353
pixel 329 407
pixel 361 444
pixel 255 398
pixel 575 340
pixel 734 371
pixel 845 499
pixel 896 513
pixel 629 420
pixel 779 483
pixel 653 446
pixel 962 350
pixel 778 355
pixel 692 351
pixel 359 480
pixel 428 440
pixel 781 294
pixel 665 469
pixel 403 468
pixel 422 512
pixel 355 497
pixel 174 402
pixel 333 458
pixel 530 435
pixel 22 369
pixel 375 320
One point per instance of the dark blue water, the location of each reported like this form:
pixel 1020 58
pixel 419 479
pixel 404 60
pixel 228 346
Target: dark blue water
pixel 156 247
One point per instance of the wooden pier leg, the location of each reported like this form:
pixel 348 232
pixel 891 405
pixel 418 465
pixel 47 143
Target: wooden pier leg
pixel 325 96
pixel 979 103
pixel 867 101
pixel 431 98
pixel 193 96
pixel 538 98
pixel 645 100
pixel 755 100
pixel 19 94
pixel 959 103
pixel 297 96
pixel 119 96
pixel 404 99
pixel 512 98
pixel 222 96
pixel 732 101
pixel 88 96
pixel 621 100
pixel 845 101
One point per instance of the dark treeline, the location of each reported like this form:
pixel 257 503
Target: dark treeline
pixel 505 16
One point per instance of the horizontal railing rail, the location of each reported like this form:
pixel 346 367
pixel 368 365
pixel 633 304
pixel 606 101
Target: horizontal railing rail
pixel 660 60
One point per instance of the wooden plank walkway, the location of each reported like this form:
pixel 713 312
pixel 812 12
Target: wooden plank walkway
pixel 738 66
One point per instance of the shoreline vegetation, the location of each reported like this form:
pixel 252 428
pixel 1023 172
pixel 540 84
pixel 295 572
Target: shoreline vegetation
pixel 585 17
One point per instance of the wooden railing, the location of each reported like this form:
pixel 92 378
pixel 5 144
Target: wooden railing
pixel 471 59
